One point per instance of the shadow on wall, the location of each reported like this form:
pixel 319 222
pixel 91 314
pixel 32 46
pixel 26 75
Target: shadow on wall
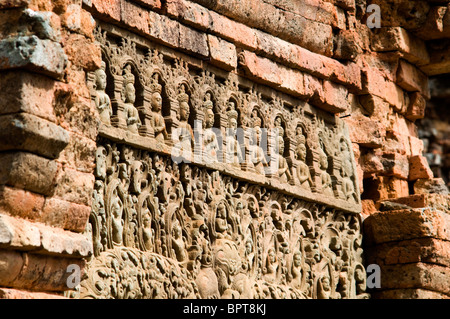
pixel 434 128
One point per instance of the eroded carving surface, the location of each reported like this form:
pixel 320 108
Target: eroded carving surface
pixel 208 189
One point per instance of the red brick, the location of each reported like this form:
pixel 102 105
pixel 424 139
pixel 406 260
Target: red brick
pixel 395 164
pixel 385 187
pixel 335 98
pixel 10 293
pixel 368 207
pixel 108 8
pixel 365 132
pixel 83 52
pixel 376 83
pixel 223 53
pixel 419 168
pixel 416 275
pixel 412 79
pixel 233 31
pixel 21 203
pixel 134 16
pixel 416 107
pixel 383 227
pixel 66 215
pixel 398 39
pixel 27 92
pixel 74 186
pixel 269 72
pixel 410 293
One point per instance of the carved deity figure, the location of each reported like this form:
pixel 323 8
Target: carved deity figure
pixel 178 241
pixel 186 135
pixel 102 100
pixel 130 111
pixel 346 171
pixel 303 173
pixel 210 143
pixel 257 155
pixel 233 149
pixel 157 122
pixel 117 220
pixel 325 178
pixel 148 233
pixel 270 269
pixel 283 171
pixel 297 271
pixel 324 287
pixel 221 223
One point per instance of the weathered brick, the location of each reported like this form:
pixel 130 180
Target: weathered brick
pixel 412 48
pixel 83 52
pixel 22 91
pixel 66 215
pixel 412 79
pixel 193 41
pixel 174 34
pixel 371 164
pixel 223 53
pixel 34 54
pixel 313 35
pixel 436 201
pixel 134 16
pixel 335 98
pixel 74 186
pixel 416 107
pixel 190 13
pixel 16 233
pixel 10 293
pixel 416 275
pixel 376 83
pixel 385 187
pixel 78 20
pixel 419 168
pixel 233 31
pixel 41 273
pixel 269 72
pixel 107 8
pixel 28 171
pixel 21 203
pixel 411 293
pixel 29 133
pixel 416 145
pixel 389 226
pixel 20 234
pixel 428 250
pixel 395 164
pixel 365 132
pixel 430 186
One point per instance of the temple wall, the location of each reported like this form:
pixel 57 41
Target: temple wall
pixel 88 175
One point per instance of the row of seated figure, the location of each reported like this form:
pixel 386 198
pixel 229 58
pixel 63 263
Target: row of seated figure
pixel 254 154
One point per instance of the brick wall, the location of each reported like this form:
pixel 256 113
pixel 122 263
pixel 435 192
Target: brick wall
pixel 318 51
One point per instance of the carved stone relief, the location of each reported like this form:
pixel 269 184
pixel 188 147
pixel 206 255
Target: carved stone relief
pixel 188 203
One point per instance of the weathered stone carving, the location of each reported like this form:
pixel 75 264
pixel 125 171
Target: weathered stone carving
pixel 221 223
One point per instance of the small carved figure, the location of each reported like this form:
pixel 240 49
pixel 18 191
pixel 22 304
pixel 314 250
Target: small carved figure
pixel 283 172
pixel 303 173
pixel 210 143
pixel 131 112
pixel 186 135
pixel 157 122
pixel 325 178
pixel 102 100
pixel 233 149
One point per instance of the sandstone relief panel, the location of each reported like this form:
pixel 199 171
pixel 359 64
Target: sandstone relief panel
pixel 210 186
